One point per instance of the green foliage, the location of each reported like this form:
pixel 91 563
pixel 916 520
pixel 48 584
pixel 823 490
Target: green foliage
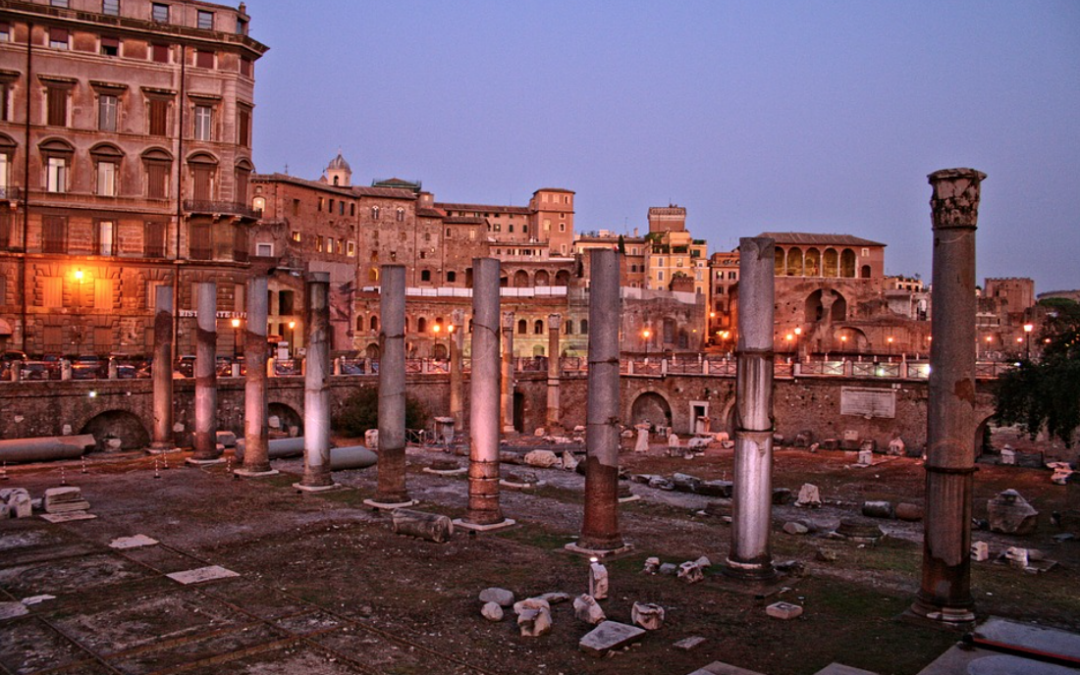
pixel 1045 393
pixel 360 412
pixel 622 245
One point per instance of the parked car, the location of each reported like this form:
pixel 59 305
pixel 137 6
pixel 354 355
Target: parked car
pixel 185 366
pixel 34 370
pixel 88 367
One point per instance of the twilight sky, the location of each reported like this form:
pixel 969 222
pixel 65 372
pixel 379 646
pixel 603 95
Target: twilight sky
pixel 820 116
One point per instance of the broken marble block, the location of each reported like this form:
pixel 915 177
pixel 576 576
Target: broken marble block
pixel 607 636
pixel 371 439
pixel 598 581
pixel 534 617
pixel 1009 513
pixel 543 459
pixel 652 565
pixel 1017 556
pixel 796 528
pixel 492 611
pixel 691 572
pixel 1008 455
pixel 569 462
pixel 17 502
pixel 980 551
pixel 866 457
pixel 686 483
pixel 896 447
pixel 647 615
pixel 64 500
pixel 500 596
pixel 586 609
pixel 1062 471
pixel 809 497
pixel 878 509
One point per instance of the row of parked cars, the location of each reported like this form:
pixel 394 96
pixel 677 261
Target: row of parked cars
pixel 92 367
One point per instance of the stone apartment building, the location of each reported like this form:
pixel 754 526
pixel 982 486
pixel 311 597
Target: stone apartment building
pixel 125 156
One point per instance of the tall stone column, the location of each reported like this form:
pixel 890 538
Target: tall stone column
pixel 206 450
pixel 750 557
pixel 162 370
pixel 945 593
pixel 484 512
pixel 600 529
pixel 554 416
pixel 391 491
pixel 316 395
pixel 457 393
pixel 256 442
pixel 506 407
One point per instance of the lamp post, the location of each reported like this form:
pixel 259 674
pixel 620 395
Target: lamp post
pixel 292 331
pixel 645 334
pixel 436 329
pixel 798 332
pixel 890 341
pixel 1027 340
pixel 235 338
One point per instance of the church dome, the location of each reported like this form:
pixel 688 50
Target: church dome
pixel 339 164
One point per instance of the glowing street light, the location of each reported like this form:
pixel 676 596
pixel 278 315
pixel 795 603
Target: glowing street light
pixel 236 337
pixel 645 335
pixel 1027 340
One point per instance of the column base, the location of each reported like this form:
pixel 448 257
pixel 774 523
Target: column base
pixel 440 472
pixel 509 430
pixel 475 527
pixel 573 547
pixel 960 618
pixel 204 462
pixel 163 450
pixel 315 488
pixel 255 474
pixel 389 506
pixel 749 571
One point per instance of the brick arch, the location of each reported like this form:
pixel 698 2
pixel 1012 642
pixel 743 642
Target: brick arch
pixel 651 404
pixel 287 414
pixel 125 425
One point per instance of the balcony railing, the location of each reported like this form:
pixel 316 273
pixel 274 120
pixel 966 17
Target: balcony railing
pixel 11 193
pixel 231 208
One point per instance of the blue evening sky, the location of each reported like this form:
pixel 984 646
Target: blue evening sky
pixel 755 116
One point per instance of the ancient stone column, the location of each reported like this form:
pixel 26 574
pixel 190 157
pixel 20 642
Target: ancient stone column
pixel 600 529
pixel 750 557
pixel 506 406
pixel 316 395
pixel 945 593
pixel 391 491
pixel 206 375
pixel 457 392
pixel 162 370
pixel 256 443
pixel 554 416
pixel 484 511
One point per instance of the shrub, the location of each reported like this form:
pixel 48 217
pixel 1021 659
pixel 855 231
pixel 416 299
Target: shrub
pixel 360 412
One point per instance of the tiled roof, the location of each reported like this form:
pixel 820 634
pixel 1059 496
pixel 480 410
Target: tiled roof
pixel 816 239
pixel 482 208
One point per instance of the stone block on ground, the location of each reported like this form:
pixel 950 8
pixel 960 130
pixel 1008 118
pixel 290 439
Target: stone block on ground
pixel 980 551
pixel 598 581
pixel 686 483
pixel 647 615
pixel 809 497
pixel 691 572
pixel 1009 513
pixel 555 597
pixel 841 669
pixel 586 609
pixel 16 502
pixel 491 611
pixel 687 644
pixel 896 447
pixel 720 668
pixel 909 512
pixel 878 509
pixel 226 439
pixel 533 617
pixel 607 636
pixel 430 526
pixel 543 459
pixel 652 565
pixel 716 488
pixel 783 610
pixel 64 500
pixel 795 528
pixel 500 596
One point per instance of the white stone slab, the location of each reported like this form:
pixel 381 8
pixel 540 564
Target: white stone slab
pixel 202 574
pixel 974 661
pixel 718 668
pixel 1027 636
pixel 10 610
pixel 67 517
pixel 35 599
pixel 137 541
pixel 607 636
pixel 841 669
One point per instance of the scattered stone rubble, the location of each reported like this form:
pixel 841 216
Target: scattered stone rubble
pixel 533 617
pixel 15 503
pixel 586 609
pixel 1009 513
pixel 647 615
pixel 64 500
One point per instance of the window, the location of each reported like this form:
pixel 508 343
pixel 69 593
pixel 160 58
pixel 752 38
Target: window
pixel 58 38
pixel 329 244
pixel 205 20
pixel 53 292
pixel 264 250
pixel 160 12
pixel 562 227
pixel 159 117
pixel 110 46
pixel 104 238
pixel 425 275
pixel 320 203
pixel 374 212
pixel 318 244
pixel 241 177
pixel 523 327
pixel 352 209
pixel 56 99
pixel 204 58
pixel 159 53
pixel 157 179
pixel 203 121
pixel 538 327
pixel 341 208
pixel 201 242
pixel 451 277
pixel 241 26
pixel 203 174
pixel 54 234
pixel 510 228
pixel 107 108
pixel 296 207
pixel 5 230
pixel 56 174
pixel 245 66
pixel 400 214
pixel 59 3
pixel 106 178
pixel 331 209
pixel 5 31
pixel 296 236
pixel 154 239
pixel 350 249
pixel 244 127
pixel 111 7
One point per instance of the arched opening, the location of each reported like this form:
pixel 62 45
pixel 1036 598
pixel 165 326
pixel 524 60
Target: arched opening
pixel 541 278
pixel 847 263
pixel 439 351
pixel 812 263
pixel 562 278
pixel 864 272
pixel 117 424
pixel 288 421
pixel 468 278
pixel 523 327
pixel 521 279
pixel 421 325
pixel 683 340
pixel 831 265
pixel 825 300
pixel 584 326
pixel 372 351
pixel 538 327
pixel 569 327
pixel 795 262
pixel 653 408
pixel 778 262
pixel 374 323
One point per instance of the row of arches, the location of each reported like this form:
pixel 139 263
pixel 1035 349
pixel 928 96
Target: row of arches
pixel 522 279
pixel 439 326
pixel 813 262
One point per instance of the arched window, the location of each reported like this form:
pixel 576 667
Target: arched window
pixel 847 263
pixel 106 159
pixel 374 212
pixel 373 274
pixel 865 272
pixel 421 325
pixel 812 263
pixel 521 279
pixel 795 262
pixel 523 327
pixel 241 175
pixel 562 278
pixel 538 327
pixel 541 278
pixel 360 323
pixel 831 263
pixel 584 326
pixel 569 327
pixel 374 323
pixel 778 262
pixel 203 168
pixel 400 214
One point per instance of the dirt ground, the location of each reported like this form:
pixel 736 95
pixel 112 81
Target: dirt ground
pixel 325 587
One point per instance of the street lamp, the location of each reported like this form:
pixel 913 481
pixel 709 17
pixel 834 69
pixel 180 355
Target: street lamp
pixel 890 341
pixel 798 332
pixel 1027 340
pixel 645 334
pixel 236 337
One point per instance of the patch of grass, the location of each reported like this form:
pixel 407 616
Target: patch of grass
pixel 536 536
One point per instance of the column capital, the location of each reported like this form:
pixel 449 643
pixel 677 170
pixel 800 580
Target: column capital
pixel 554 321
pixel 955 200
pixel 508 320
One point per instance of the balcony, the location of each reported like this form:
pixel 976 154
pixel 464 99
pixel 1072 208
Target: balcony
pixel 11 194
pixel 221 208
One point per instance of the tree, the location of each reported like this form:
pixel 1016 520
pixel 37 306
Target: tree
pixel 1045 393
pixel 360 412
